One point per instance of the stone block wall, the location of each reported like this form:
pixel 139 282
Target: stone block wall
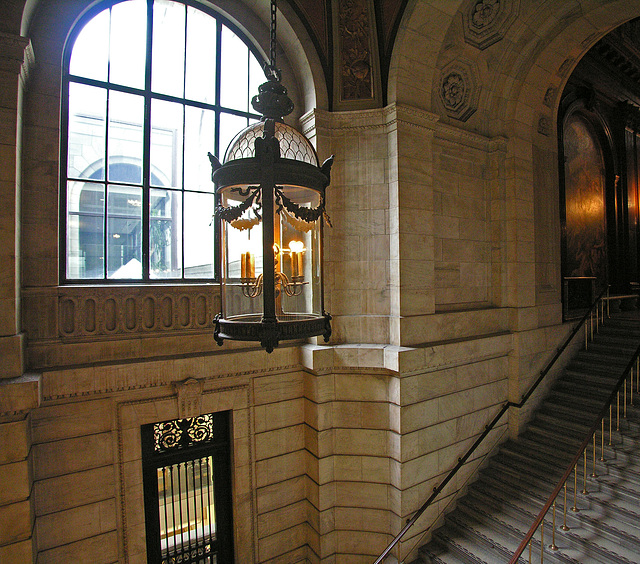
pixel 464 211
pixel 16 495
pixel 333 447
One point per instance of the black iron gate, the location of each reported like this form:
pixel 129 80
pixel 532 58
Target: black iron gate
pixel 187 490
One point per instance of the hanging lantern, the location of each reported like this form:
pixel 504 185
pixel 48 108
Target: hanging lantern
pixel 270 202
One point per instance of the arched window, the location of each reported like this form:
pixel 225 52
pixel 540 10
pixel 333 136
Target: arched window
pixel 149 88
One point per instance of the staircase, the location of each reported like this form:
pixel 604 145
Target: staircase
pixel 493 517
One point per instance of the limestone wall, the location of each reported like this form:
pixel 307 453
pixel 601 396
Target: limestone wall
pixel 333 447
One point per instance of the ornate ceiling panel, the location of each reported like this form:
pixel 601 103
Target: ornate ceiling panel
pixel 321 19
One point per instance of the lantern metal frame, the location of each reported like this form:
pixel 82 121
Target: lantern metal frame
pixel 265 172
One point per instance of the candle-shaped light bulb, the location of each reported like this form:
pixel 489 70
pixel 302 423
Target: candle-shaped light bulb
pixel 296 248
pixel 243 265
pixel 251 265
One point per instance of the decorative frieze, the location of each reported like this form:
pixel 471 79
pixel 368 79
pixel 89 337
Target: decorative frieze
pixel 355 52
pixel 99 311
pixel 356 67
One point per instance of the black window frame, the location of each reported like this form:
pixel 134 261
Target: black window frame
pixel 146 185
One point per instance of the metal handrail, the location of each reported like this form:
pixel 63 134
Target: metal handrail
pixel 488 428
pixel 598 422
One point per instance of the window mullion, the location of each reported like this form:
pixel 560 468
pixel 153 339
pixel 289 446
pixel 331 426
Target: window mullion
pixel 105 218
pixel 184 131
pixel 218 149
pixel 146 146
pixel 105 221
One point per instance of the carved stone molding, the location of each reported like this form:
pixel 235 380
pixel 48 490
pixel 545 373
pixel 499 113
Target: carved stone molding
pixel 459 89
pixel 487 21
pixel 550 96
pixel 566 66
pixel 189 394
pixel 355 53
pixel 100 311
pixel 356 67
pixel 544 126
pixel 16 55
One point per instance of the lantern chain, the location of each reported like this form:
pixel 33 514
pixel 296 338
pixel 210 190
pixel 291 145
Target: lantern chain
pixel 272 54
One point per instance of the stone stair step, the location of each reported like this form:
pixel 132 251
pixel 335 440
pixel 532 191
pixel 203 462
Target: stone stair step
pixel 499 507
pixel 592 517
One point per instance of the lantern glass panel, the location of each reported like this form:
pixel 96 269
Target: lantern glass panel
pixel 241 258
pixel 299 260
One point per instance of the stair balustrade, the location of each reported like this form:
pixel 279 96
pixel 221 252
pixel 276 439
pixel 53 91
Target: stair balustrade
pixel 591 322
pixel 608 418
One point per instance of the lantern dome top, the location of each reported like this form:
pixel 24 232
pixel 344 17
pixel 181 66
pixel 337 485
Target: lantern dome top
pixel 293 144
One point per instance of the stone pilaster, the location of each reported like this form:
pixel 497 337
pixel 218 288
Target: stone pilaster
pixel 18 393
pixel 15 59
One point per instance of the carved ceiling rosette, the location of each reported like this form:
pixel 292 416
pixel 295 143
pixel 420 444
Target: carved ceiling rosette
pixel 459 89
pixel 487 21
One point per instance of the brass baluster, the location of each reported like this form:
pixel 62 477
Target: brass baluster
pixel 584 474
pixel 618 413
pixel 530 551
pixel 553 546
pixel 602 437
pixel 610 422
pixel 575 490
pixel 586 337
pixel 591 323
pixel 593 475
pixel 564 510
pixel 542 542
pixel 625 398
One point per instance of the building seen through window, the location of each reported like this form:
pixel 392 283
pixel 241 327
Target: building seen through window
pixel 151 86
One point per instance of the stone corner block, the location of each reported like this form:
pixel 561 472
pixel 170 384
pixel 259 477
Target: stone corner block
pixel 403 359
pixel 18 395
pixel 317 358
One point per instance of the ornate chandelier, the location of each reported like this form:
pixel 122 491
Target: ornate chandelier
pixel 270 203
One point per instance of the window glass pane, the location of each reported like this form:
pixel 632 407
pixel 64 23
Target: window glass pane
pixel 230 126
pixel 124 235
pixel 91 49
pixel 201 56
pixel 128 43
pixel 167 72
pixel 165 234
pixel 166 142
pixel 198 235
pixel 234 72
pixel 85 230
pixel 186 510
pixel 106 139
pixel 256 78
pixel 126 114
pixel 86 143
pixel 199 139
